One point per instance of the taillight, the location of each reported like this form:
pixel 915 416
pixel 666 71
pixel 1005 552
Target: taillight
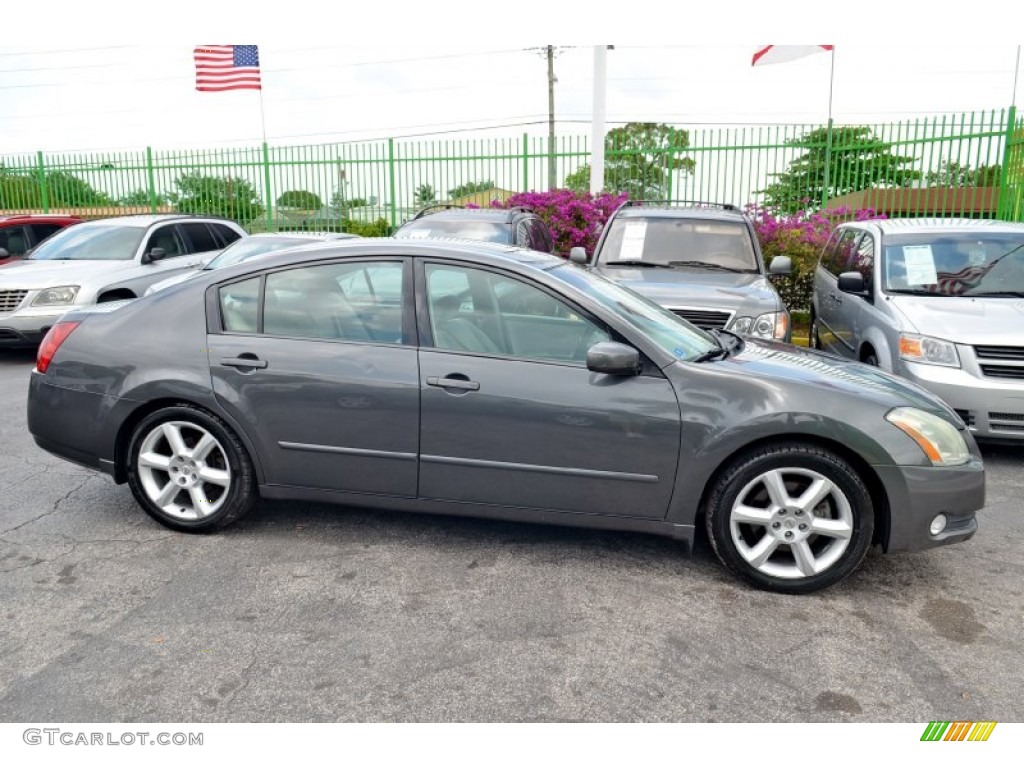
pixel 51 343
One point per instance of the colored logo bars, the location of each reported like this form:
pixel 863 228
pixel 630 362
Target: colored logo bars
pixel 960 730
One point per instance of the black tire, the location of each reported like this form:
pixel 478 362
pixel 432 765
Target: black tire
pixel 845 509
pixel 220 504
pixel 870 359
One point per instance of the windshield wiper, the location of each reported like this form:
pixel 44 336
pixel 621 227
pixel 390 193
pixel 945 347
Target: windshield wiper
pixel 709 264
pixel 711 354
pixel 728 342
pixel 996 293
pixel 916 292
pixel 634 263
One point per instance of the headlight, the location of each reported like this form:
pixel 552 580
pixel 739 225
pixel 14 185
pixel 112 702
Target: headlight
pixel 925 349
pixel 771 325
pixel 52 297
pixel 941 442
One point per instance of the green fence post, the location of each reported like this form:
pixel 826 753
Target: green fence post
pixel 150 179
pixel 828 166
pixel 1005 206
pixel 391 176
pixel 266 187
pixel 42 183
pixel 526 163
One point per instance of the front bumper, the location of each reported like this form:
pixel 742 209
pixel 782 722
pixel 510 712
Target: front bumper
pixel 991 407
pixel 26 327
pixel 917 494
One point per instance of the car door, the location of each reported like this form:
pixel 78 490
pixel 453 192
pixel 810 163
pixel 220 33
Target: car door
pixel 327 386
pixel 510 415
pixel 835 326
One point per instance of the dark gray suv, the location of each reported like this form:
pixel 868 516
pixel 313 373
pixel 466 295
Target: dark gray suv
pixel 518 226
pixel 699 260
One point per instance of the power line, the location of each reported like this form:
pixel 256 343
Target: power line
pixel 70 50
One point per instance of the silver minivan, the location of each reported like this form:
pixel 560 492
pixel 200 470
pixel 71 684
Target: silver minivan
pixel 937 301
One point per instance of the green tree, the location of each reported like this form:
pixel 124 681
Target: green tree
pixel 469 188
pixel 141 197
pixel 954 174
pixel 66 191
pixel 228 196
pixel 18 190
pixel 638 160
pixel 425 194
pixel 300 198
pixel 857 160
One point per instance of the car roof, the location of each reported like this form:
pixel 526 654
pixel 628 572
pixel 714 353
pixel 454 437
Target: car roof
pixel 935 224
pixel 495 253
pixel 296 235
pixel 149 219
pixel 42 217
pixel 501 215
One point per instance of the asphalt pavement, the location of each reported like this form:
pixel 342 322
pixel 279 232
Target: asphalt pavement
pixel 307 612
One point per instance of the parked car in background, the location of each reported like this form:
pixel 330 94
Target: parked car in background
pixel 937 301
pixel 20 233
pixel 702 261
pixel 98 261
pixel 249 248
pixel 510 226
pixel 467 378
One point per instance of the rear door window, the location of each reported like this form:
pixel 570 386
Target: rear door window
pixel 200 236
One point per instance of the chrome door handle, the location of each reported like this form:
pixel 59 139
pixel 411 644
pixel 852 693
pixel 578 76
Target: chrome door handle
pixel 243 362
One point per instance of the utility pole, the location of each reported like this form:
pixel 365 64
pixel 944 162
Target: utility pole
pixel 552 165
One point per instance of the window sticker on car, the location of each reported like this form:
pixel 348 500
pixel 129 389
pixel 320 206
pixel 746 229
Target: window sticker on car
pixel 920 264
pixel 633 240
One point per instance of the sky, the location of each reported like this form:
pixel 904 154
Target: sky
pixel 110 77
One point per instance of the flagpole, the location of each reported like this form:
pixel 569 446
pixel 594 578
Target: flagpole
pixel 828 135
pixel 1016 72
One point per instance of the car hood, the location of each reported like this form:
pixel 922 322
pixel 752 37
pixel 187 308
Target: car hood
pixel 964 320
pixel 180 278
pixel 685 287
pixel 32 275
pixel 793 368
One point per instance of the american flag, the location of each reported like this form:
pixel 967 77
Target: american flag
pixel 227 67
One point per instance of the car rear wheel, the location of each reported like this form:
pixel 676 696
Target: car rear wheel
pixel 188 471
pixel 790 518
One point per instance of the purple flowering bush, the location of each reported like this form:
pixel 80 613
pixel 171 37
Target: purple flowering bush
pixel 574 218
pixel 802 236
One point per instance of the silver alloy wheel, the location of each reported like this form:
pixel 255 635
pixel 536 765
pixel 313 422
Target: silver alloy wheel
pixel 184 470
pixel 791 523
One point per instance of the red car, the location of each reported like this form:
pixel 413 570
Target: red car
pixel 24 231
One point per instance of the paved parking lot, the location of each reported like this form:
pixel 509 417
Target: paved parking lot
pixel 306 612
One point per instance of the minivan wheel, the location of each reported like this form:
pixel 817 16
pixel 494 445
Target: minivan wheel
pixel 189 471
pixel 870 359
pixel 790 518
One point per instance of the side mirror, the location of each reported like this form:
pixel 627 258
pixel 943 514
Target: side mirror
pixel 155 254
pixel 4 254
pixel 853 282
pixel 781 265
pixel 613 358
pixel 578 254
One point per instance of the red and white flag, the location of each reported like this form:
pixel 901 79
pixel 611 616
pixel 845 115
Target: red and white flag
pixel 227 67
pixel 780 54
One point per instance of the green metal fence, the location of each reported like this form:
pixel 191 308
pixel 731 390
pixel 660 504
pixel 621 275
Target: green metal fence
pixel 967 165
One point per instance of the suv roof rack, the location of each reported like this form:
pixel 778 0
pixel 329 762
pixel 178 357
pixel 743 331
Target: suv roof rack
pixel 434 207
pixel 708 204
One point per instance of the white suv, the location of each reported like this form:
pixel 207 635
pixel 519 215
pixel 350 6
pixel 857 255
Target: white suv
pixel 102 260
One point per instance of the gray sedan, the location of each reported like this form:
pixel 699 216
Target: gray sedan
pixel 484 380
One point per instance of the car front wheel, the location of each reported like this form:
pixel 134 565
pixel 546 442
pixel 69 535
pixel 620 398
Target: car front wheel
pixel 188 471
pixel 790 518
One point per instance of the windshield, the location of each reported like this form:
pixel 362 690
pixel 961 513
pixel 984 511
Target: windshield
pixel 670 332
pixel 85 242
pixel 246 248
pixel 487 231
pixel 666 240
pixel 968 263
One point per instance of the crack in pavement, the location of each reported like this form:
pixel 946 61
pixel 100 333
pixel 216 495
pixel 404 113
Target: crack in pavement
pixel 53 509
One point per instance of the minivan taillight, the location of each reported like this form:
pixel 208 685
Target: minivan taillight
pixel 51 343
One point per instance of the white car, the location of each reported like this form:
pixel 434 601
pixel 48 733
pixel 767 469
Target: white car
pixel 248 248
pixel 98 261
